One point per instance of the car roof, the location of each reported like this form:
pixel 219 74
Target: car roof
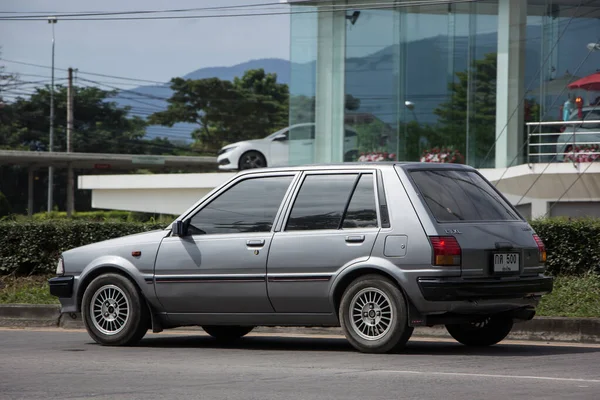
pixel 359 165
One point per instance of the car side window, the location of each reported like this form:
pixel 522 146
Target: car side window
pixel 304 132
pixel 362 210
pixel 323 202
pixel 249 206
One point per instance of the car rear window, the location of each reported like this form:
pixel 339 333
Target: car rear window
pixel 461 196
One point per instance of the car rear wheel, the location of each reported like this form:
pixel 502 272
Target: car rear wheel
pixel 114 312
pixel 373 315
pixel 227 333
pixel 487 332
pixel 252 159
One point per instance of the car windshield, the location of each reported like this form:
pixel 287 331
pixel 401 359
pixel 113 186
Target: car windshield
pixel 461 196
pixel 587 115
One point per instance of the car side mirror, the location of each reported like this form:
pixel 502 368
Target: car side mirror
pixel 280 138
pixel 179 228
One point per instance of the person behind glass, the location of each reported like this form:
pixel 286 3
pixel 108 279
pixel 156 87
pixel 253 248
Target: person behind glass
pixel 568 107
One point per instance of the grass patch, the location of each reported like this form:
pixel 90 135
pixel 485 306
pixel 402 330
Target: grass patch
pixel 571 297
pixel 26 290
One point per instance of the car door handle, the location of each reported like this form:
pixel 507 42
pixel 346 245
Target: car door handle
pixel 255 243
pixel 355 239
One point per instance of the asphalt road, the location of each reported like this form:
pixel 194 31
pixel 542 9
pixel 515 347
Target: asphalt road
pixel 59 364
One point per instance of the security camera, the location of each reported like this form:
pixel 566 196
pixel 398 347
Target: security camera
pixel 593 46
pixel 51 20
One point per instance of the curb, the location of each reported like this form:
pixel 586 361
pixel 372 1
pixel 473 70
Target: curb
pixel 547 329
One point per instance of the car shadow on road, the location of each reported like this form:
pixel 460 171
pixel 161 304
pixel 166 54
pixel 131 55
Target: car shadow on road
pixel 415 346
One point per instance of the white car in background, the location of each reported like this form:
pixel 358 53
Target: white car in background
pixel 274 150
pixel 585 135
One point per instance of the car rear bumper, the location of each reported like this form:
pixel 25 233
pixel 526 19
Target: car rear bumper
pixel 61 286
pixel 442 289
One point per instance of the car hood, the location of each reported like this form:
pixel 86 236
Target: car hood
pixel 243 143
pixel 149 237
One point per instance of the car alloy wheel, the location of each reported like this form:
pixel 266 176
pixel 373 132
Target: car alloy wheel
pixel 252 159
pixel 372 315
pixel 114 311
pixel 109 309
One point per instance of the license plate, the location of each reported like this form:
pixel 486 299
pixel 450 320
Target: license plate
pixel 506 262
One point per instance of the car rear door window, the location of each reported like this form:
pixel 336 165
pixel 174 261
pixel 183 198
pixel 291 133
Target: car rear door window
pixel 324 200
pixel 249 206
pixel 461 196
pixel 362 210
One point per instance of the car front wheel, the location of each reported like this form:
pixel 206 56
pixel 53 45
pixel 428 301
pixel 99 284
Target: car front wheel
pixel 373 315
pixel 486 332
pixel 114 312
pixel 252 159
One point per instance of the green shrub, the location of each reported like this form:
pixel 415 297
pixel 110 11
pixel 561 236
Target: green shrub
pixel 32 247
pixel 110 215
pixel 573 246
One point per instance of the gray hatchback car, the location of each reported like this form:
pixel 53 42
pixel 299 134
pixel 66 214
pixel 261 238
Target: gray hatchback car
pixel 376 248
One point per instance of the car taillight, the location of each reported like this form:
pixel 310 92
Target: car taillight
pixel 446 251
pixel 541 248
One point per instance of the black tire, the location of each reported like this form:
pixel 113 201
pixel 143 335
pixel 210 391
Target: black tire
pixel 488 332
pixel 137 321
pixel 351 156
pixel 394 336
pixel 227 333
pixel 252 159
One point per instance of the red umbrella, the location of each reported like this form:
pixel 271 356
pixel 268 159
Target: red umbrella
pixel 590 82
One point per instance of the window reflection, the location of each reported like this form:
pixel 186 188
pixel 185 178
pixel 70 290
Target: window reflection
pixel 249 206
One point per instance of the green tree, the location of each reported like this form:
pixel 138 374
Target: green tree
pixel 453 114
pixel 250 107
pixel 99 125
pixel 482 124
pixel 4 206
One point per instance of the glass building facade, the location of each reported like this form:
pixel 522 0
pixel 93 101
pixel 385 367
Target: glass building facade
pixel 401 81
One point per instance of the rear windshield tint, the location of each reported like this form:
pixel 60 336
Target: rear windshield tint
pixel 461 196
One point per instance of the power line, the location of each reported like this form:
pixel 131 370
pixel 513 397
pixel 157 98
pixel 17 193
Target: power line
pixel 99 13
pixel 568 189
pixel 81 72
pixel 367 6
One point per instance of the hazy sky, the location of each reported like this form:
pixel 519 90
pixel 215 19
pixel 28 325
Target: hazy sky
pixel 155 49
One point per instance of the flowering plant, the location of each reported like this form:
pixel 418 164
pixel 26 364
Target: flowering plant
pixel 444 155
pixel 376 156
pixel 583 154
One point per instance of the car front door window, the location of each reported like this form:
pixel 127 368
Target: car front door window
pixel 248 206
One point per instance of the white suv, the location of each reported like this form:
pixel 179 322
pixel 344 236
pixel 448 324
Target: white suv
pixel 274 150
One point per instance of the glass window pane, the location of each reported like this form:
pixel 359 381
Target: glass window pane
pixel 362 211
pixel 248 206
pixel 461 196
pixel 321 202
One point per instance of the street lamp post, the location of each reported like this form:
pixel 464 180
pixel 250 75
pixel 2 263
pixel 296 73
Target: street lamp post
pixel 51 21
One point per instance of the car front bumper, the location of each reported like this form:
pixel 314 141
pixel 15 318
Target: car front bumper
pixel 445 289
pixel 61 286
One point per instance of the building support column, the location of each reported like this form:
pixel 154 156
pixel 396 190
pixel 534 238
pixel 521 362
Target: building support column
pixel 330 85
pixel 30 179
pixel 510 82
pixel 70 190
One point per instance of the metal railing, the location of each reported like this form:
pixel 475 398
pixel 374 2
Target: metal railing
pixel 560 141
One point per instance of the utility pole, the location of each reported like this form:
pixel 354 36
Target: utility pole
pixel 70 183
pixel 51 21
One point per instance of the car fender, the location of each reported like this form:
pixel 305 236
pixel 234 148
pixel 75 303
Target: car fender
pixel 372 263
pixel 143 281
